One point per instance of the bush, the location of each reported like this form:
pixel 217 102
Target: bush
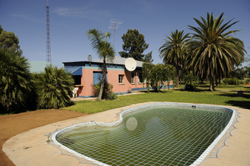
pixel 190 79
pixel 15 82
pixel 54 87
pixel 247 81
pixel 106 90
pixel 189 87
pixel 231 81
pixel 112 96
pixel 242 81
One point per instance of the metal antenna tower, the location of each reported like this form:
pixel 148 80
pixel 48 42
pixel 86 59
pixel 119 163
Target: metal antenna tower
pixel 114 24
pixel 48 54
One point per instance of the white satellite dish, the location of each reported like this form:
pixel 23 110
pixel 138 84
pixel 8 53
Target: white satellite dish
pixel 130 64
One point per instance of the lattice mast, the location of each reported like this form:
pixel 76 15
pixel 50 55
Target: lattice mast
pixel 114 24
pixel 48 51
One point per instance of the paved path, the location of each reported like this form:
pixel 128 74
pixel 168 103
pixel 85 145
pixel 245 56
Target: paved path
pixel 31 148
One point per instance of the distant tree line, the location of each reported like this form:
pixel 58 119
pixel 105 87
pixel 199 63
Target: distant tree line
pixel 210 52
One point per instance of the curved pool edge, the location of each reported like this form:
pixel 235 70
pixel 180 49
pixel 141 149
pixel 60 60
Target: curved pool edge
pixel 211 146
pixel 124 112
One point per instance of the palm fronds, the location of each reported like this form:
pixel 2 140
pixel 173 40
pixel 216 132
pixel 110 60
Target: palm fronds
pixel 212 51
pixel 54 87
pixel 15 81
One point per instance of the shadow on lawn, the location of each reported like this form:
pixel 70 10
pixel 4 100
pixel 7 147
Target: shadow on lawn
pixel 159 91
pixel 237 102
pixel 243 104
pixel 195 90
pixel 248 88
pixel 235 95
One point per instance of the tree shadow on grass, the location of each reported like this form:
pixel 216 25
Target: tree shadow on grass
pixel 237 102
pixel 235 95
pixel 242 104
pixel 159 91
pixel 248 88
pixel 195 90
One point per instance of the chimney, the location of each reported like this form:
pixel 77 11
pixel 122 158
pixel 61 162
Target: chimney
pixel 90 58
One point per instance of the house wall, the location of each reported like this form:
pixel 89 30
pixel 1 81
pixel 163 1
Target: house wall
pixel 112 78
pixel 86 90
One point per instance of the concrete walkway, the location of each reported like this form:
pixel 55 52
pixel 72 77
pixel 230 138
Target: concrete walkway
pixel 31 148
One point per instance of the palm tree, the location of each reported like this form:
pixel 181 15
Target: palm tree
pixel 15 81
pixel 213 52
pixel 54 87
pixel 104 50
pixel 173 51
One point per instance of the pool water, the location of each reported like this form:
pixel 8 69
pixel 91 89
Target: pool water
pixel 153 136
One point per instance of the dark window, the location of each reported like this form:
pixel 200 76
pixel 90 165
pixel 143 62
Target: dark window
pixel 77 80
pixel 132 78
pixel 140 78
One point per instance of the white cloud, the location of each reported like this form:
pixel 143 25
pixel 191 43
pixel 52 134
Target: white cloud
pixel 27 18
pixel 82 13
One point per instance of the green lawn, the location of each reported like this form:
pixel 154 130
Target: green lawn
pixel 224 87
pixel 218 97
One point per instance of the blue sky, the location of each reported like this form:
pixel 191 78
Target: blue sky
pixel 71 19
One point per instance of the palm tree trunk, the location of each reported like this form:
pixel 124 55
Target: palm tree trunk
pixel 104 71
pixel 211 83
pixel 177 78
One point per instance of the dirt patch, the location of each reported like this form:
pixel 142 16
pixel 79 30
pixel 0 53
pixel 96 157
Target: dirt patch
pixel 12 125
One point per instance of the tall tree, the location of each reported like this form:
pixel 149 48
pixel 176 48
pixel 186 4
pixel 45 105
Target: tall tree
pixel 9 41
pixel 134 45
pixel 148 57
pixel 174 51
pixel 213 51
pixel 15 81
pixel 104 49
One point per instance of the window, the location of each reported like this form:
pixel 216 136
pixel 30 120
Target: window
pixel 132 78
pixel 121 77
pixel 140 78
pixel 77 80
pixel 97 77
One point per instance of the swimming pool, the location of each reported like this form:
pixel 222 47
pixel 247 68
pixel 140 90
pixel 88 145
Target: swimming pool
pixel 154 134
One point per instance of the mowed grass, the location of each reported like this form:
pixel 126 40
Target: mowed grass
pixel 205 97
pixel 226 87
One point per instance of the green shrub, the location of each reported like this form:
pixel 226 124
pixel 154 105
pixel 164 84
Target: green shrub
pixel 231 81
pixel 15 82
pixel 190 79
pixel 242 81
pixel 247 81
pixel 112 96
pixel 106 90
pixel 225 81
pixel 54 87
